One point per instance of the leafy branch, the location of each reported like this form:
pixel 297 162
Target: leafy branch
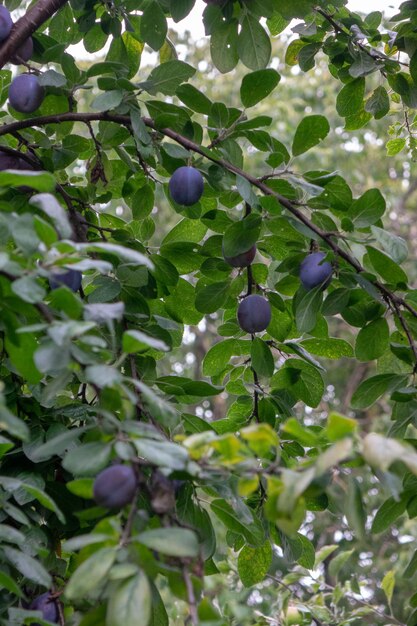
pixel 329 237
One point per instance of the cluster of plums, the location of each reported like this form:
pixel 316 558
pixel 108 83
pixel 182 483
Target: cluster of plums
pixel 25 92
pixel 254 314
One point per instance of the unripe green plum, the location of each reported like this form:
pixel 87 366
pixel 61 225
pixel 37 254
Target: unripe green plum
pixel 254 314
pixel 6 23
pixel 23 53
pixel 241 260
pixel 47 606
pixel 25 93
pixel 314 272
pixel 115 486
pixel 186 185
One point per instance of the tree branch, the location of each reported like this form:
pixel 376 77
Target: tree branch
pixel 37 15
pixel 328 237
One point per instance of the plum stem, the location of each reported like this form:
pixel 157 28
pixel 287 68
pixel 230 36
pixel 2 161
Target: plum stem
pixel 191 596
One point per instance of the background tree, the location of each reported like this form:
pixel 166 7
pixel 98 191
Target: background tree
pixel 164 459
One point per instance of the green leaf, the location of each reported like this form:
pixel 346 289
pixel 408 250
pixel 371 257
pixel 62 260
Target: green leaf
pixel 254 45
pixel 310 131
pixel 223 46
pixel 393 245
pixel 153 25
pixel 372 340
pixel 90 574
pixel 28 566
pixel 373 388
pixel 87 459
pixel 301 379
pixel 387 513
pixel 339 561
pixel 50 205
pixel 40 181
pixel 253 563
pixel 137 341
pixel 28 289
pixel 378 104
pixel 339 426
pixel 388 584
pixel 307 308
pixel 211 298
pixel 367 209
pixel 261 358
pixel 241 236
pixel 390 271
pixel 220 354
pixel 411 568
pixel 194 99
pixel 329 348
pixel 350 99
pixel 167 78
pixel 395 146
pixel 257 86
pixel 130 603
pixel 177 542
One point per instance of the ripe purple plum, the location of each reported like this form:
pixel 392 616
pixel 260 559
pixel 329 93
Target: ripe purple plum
pixel 6 23
pixel 186 185
pixel 23 53
pixel 241 260
pixel 254 314
pixel 69 278
pixel 47 606
pixel 25 93
pixel 9 161
pixel 314 272
pixel 115 486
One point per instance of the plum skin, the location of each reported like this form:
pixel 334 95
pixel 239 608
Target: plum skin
pixel 47 606
pixel 254 314
pixel 25 93
pixel 186 185
pixel 6 23
pixel 313 272
pixel 241 260
pixel 69 278
pixel 23 53
pixel 115 486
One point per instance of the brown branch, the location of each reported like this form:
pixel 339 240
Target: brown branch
pixel 192 604
pixel 34 17
pixel 328 237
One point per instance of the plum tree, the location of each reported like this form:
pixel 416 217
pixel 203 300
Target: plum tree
pixel 25 93
pixel 314 272
pixel 70 278
pixel 241 260
pixel 47 606
pixel 23 53
pixel 115 486
pixel 6 23
pixel 254 314
pixel 186 185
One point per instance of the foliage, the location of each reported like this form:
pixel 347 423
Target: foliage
pixel 283 497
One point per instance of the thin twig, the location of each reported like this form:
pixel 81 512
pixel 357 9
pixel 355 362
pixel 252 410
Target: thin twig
pixel 192 604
